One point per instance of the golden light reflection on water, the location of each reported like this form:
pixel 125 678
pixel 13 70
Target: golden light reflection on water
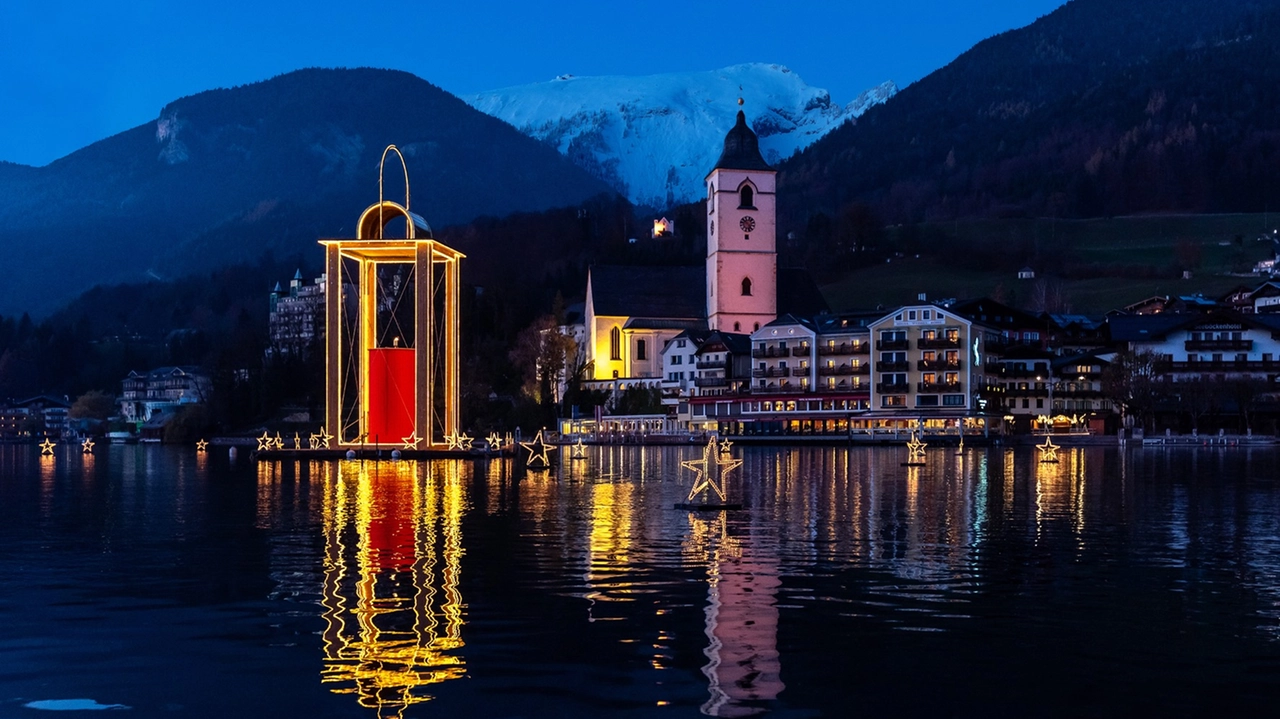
pixel 392 608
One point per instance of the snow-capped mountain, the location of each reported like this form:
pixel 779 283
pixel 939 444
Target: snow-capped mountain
pixel 655 138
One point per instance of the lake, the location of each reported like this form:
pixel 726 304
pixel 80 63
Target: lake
pixel 1116 582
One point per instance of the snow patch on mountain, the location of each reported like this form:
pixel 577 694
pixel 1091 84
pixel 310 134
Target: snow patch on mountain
pixel 654 138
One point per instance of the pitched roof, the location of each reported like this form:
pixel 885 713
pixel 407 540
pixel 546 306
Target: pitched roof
pixel 653 292
pixel 661 323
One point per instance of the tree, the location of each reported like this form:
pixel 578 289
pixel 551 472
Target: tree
pixel 93 404
pixel 1244 392
pixel 1130 382
pixel 545 356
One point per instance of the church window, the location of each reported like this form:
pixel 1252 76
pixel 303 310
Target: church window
pixel 746 286
pixel 747 198
pixel 737 326
pixel 757 326
pixel 641 350
pixel 615 344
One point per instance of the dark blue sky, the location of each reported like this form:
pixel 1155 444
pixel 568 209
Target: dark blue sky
pixel 76 71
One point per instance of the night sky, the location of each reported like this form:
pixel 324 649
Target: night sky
pixel 73 72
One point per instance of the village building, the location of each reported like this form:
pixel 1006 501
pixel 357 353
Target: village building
pixel 157 394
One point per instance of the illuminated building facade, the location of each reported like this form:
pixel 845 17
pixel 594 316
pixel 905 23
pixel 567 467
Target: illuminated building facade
pixel 295 320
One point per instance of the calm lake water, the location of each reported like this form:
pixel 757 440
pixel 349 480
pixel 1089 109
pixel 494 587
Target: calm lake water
pixel 1114 583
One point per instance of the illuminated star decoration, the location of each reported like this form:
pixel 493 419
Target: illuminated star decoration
pixel 916 448
pixel 278 442
pixel 264 442
pixel 297 441
pixel 494 440
pixel 1048 450
pixel 465 441
pixel 579 450
pixel 314 441
pixel 411 442
pixel 87 445
pixel 322 439
pixel 201 445
pixel 452 441
pixel 538 452
pixel 725 446
pixel 706 478
pixel 46 447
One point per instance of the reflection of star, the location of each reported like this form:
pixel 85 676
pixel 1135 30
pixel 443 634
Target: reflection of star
pixel 201 445
pixel 916 448
pixel 1048 450
pixel 322 439
pixel 87 445
pixel 411 442
pixel 538 451
pixel 706 478
pixel 264 442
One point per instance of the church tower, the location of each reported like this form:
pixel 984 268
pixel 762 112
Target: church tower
pixel 742 255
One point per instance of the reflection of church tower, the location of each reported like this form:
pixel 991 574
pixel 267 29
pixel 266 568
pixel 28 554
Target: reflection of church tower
pixel 743 668
pixel 742 257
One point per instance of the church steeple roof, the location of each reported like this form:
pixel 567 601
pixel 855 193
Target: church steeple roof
pixel 741 149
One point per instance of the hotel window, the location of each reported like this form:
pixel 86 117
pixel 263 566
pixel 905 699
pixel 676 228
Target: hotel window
pixel 893 401
pixel 928 314
pixel 953 334
pixel 929 378
pixel 615 344
pixel 928 400
pixel 911 315
pixel 952 356
pixel 951 377
pixel 953 400
pixel 929 334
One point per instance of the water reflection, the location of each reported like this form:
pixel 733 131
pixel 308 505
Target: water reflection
pixel 393 612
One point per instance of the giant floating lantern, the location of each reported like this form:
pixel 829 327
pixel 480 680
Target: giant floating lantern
pixel 391 330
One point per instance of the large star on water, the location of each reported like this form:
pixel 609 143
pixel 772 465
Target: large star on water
pixel 706 479
pixel 916 448
pixel 265 441
pixel 538 451
pixel 1048 450
pixel 46 447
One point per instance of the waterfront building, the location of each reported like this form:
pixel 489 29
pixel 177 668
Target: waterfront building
pixel 159 392
pixel 295 319
pixel 1216 346
pixel 680 370
pixel 39 416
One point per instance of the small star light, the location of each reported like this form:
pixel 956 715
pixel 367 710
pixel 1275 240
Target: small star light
pixel 538 450
pixel 1048 450
pixel 201 445
pixel 452 441
pixel 494 440
pixel 46 447
pixel 579 450
pixel 322 439
pixel 297 441
pixel 465 441
pixel 411 442
pixel 314 441
pixel 87 445
pixel 264 442
pixel 278 442
pixel 916 448
pixel 725 446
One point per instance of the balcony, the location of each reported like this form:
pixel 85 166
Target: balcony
pixel 771 372
pixel 712 364
pixel 765 352
pixel 842 386
pixel 939 343
pixel 1014 371
pixel 708 382
pixel 799 371
pixel 940 387
pixel 939 365
pixel 1223 366
pixel 893 345
pixel 801 351
pixel 778 389
pixel 1219 345
pixel 902 366
pixel 847 348
pixel 844 369
pixel 893 387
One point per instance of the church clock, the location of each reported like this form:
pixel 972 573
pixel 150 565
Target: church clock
pixel 747 223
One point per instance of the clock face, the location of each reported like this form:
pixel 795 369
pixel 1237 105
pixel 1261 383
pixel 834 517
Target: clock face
pixel 747 223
